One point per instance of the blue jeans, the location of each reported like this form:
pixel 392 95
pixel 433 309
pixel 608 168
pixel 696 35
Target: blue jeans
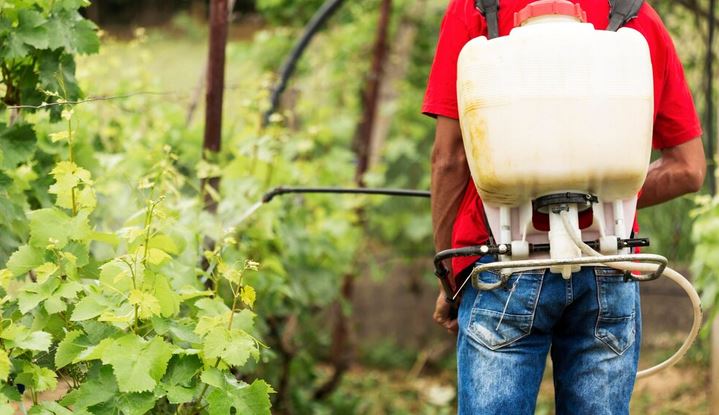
pixel 592 323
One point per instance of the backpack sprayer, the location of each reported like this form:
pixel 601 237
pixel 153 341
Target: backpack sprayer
pixel 556 120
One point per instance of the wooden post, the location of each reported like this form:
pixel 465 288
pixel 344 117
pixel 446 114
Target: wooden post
pixel 215 92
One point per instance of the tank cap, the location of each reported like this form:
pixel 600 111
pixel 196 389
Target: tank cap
pixel 549 7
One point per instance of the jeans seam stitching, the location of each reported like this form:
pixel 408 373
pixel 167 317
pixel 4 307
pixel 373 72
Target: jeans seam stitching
pixel 475 311
pixel 599 318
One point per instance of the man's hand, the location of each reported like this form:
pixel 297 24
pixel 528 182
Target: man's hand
pixel 679 171
pixel 442 314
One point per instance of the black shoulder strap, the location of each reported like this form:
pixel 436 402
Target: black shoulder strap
pixel 489 9
pixel 621 12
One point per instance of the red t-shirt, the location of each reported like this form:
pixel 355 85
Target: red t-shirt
pixel 675 118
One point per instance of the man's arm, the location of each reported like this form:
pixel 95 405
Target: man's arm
pixel 450 174
pixel 680 170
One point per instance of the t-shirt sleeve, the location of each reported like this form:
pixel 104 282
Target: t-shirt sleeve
pixel 441 95
pixel 676 119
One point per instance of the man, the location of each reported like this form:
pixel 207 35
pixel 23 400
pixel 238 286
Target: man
pixel 592 374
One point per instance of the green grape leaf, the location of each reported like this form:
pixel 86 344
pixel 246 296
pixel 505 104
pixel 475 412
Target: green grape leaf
pixel 115 276
pixel 177 394
pixel 70 348
pixel 5 365
pixel 243 320
pixel 181 370
pixel 89 307
pixel 24 338
pixel 135 403
pixel 25 259
pixel 30 29
pixel 94 352
pixel 17 144
pixel 248 295
pixel 14 48
pixel 33 294
pixel 168 300
pixel 155 256
pixel 49 227
pixel 146 367
pixel 164 243
pixel 70 4
pixel 49 408
pixel 36 377
pixel 53 227
pixel 99 387
pixel 228 393
pixel 70 181
pixel 146 303
pixel 234 347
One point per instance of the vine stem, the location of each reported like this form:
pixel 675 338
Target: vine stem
pixel 217 362
pixel 71 157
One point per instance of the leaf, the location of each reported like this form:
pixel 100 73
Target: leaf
pixel 164 242
pixel 73 33
pixel 17 144
pixel 45 271
pixel 59 136
pixel 33 294
pixel 177 394
pixel 106 237
pixel 51 226
pixel 5 365
pixel 228 393
pixel 234 347
pixel 22 337
pixel 135 403
pixel 30 29
pixel 115 277
pixel 211 306
pixel 38 378
pixel 89 307
pixel 248 295
pixel 99 387
pixel 70 184
pixel 167 298
pixel 146 303
pixel 181 370
pixel 69 348
pixel 25 259
pixel 146 365
pixel 49 408
pixel 156 256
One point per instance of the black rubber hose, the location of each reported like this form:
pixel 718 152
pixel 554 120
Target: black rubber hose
pixel 288 67
pixel 709 110
pixel 339 190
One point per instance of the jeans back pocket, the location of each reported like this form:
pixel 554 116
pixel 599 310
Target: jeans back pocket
pixel 502 316
pixel 616 320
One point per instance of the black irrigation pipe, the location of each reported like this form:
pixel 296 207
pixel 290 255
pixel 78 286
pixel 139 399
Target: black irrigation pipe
pixel 339 190
pixel 288 67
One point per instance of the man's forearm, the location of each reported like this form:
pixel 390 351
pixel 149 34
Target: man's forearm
pixel 450 174
pixel 679 171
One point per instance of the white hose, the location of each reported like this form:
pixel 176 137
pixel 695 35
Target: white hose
pixel 673 275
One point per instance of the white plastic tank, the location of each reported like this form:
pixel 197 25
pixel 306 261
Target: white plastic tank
pixel 556 106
